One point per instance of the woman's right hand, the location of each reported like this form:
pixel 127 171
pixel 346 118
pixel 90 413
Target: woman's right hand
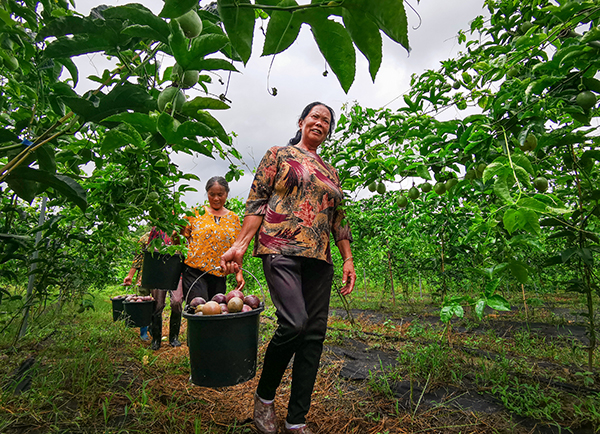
pixel 127 281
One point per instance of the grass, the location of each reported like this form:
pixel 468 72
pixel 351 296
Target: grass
pixel 95 375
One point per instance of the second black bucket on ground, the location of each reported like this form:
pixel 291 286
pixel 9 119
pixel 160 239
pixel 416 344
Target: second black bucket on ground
pixel 139 313
pixel 223 348
pixel 161 271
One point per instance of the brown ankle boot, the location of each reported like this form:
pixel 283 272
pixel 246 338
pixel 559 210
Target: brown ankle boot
pixel 265 419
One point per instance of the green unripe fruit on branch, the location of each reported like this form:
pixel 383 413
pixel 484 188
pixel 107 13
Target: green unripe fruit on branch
pixel 372 186
pixel 190 23
pixel 185 79
pixel 171 94
pixel 586 99
pixel 413 193
pixel 10 61
pixel 426 187
pixel 530 143
pixel 153 196
pixel 451 183
pixel 439 188
pixel 381 188
pixel 541 184
pixel 402 201
pixel 470 174
pixel 456 85
pixel 512 72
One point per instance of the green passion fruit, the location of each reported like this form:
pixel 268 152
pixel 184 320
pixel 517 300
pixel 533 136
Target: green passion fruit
pixel 413 193
pixel 372 186
pixel 586 99
pixel 541 184
pixel 171 94
pixel 426 187
pixel 402 201
pixel 190 23
pixel 530 143
pixel 439 188
pixel 451 183
pixel 381 188
pixel 185 79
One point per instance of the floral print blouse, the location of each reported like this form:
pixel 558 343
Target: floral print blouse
pixel 298 195
pixel 211 237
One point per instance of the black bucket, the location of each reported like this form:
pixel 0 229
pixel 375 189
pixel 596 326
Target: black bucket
pixel 139 313
pixel 117 308
pixel 223 348
pixel 161 271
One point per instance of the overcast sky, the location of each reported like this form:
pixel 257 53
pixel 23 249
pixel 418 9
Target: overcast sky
pixel 261 120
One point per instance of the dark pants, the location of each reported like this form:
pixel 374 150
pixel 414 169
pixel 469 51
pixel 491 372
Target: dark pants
pixel 300 289
pixel 160 298
pixel 206 286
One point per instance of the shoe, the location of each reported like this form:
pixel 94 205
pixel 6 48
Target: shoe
pixel 302 430
pixel 265 419
pixel 144 333
pixel 174 326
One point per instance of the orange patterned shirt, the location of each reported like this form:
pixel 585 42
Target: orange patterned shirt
pixel 211 237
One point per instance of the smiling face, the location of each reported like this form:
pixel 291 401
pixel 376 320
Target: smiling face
pixel 315 127
pixel 217 196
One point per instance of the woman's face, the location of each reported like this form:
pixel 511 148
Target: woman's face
pixel 217 196
pixel 315 126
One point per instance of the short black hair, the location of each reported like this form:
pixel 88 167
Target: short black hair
pixel 217 180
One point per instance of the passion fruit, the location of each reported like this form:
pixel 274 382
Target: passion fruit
pixel 439 188
pixel 372 186
pixel 471 174
pixel 190 23
pixel 235 304
pixel 413 193
pixel 381 188
pixel 173 95
pixel 541 184
pixel 426 187
pixel 235 293
pixel 530 143
pixel 451 183
pixel 402 201
pixel 211 308
pixel 586 99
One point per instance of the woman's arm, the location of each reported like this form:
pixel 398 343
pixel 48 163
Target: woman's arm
pixel 232 259
pixel 349 275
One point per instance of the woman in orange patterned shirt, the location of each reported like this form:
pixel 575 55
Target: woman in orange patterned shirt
pixel 209 235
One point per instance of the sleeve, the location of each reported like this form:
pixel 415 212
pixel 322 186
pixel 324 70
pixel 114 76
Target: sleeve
pixel 263 184
pixel 340 228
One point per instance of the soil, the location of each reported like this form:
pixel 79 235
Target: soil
pixel 362 361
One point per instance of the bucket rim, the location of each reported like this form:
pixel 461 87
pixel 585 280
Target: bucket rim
pixel 226 317
pixel 138 302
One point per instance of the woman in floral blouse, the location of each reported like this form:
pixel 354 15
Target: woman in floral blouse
pixel 209 235
pixel 292 209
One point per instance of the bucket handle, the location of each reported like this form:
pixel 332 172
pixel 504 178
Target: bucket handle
pixel 218 268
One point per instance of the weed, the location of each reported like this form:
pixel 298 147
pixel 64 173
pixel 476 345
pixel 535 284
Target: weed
pixel 529 400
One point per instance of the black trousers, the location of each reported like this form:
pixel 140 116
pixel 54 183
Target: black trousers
pixel 300 289
pixel 206 286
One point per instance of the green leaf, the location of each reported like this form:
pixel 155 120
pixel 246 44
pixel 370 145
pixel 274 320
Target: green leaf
pixel 282 30
pixel 142 16
pixel 522 161
pixel 336 46
pixel 497 302
pixel 510 220
pixel 142 122
pixel 532 204
pixel 213 65
pixel 75 46
pixel 586 256
pixel 519 271
pixel 423 172
pixel 531 222
pixel 202 103
pixel 119 137
pixel 493 169
pixel 8 136
pixel 208 120
pixel 176 8
pixel 24 188
pixel 201 47
pixel 64 185
pixel 388 15
pixel 480 308
pixel 168 128
pixel 491 287
pixel 501 189
pixel 239 24
pixel 71 67
pixel 366 36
